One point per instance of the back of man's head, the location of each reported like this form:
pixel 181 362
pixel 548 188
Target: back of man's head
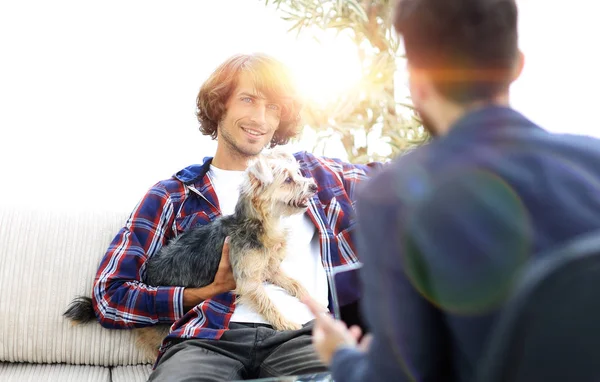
pixel 467 48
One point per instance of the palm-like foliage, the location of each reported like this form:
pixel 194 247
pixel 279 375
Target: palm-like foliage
pixel 372 107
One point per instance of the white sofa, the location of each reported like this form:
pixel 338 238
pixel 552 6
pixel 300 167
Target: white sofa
pixel 47 257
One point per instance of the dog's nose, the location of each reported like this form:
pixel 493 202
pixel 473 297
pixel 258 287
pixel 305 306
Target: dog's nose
pixel 313 187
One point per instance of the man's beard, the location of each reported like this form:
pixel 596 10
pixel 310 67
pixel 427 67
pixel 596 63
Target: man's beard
pixel 230 141
pixel 427 124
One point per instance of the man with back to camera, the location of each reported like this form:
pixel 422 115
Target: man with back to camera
pixel 443 230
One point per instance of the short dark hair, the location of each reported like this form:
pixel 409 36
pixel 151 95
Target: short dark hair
pixel 271 77
pixel 467 47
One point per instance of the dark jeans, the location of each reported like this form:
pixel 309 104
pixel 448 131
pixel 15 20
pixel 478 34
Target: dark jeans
pixel 245 351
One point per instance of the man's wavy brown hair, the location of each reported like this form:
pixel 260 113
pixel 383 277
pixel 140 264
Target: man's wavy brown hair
pixel 271 78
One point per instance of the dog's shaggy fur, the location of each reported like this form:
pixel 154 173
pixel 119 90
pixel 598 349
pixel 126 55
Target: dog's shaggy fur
pixel 272 188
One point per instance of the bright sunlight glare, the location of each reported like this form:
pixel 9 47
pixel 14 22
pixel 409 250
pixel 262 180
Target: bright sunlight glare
pixel 327 69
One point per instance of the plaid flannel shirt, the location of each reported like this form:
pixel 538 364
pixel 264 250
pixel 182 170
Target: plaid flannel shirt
pixel 121 299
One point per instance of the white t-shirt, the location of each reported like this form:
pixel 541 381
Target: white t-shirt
pixel 302 262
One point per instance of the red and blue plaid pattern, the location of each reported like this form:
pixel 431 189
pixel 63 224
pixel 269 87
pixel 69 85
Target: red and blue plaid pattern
pixel 122 300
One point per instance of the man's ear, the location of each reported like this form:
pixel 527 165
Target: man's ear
pixel 418 84
pixel 260 172
pixel 519 65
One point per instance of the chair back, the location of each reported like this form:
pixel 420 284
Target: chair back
pixel 550 329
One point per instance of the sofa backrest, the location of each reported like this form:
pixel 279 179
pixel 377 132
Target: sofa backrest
pixel 47 258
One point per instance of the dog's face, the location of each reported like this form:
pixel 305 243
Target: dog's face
pixel 278 183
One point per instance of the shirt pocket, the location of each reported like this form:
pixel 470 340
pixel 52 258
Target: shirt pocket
pixel 184 223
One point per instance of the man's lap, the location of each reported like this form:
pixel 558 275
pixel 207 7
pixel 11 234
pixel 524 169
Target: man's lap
pixel 244 351
pixel 189 361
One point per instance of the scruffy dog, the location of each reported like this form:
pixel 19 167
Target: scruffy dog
pixel 273 188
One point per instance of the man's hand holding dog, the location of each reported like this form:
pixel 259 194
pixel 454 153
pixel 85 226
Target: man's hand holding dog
pixel 223 282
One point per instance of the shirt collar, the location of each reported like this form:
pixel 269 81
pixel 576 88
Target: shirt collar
pixel 194 173
pixel 488 118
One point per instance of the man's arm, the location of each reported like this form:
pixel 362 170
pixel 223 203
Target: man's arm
pixel 350 175
pixel 120 298
pixel 408 333
pixel 354 174
pixel 439 258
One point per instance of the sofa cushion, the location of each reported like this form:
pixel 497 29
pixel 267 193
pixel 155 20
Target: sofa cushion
pixel 47 257
pixel 24 372
pixel 138 373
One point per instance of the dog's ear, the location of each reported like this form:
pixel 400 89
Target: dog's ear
pixel 260 171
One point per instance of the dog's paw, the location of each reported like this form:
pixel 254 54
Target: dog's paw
pixel 283 324
pixel 300 292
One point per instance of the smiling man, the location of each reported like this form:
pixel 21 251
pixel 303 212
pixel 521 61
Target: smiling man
pixel 248 126
pixel 247 104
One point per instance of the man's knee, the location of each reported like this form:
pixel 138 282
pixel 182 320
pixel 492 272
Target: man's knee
pixel 192 361
pixel 301 351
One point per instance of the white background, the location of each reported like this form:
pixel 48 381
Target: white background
pixel 97 99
